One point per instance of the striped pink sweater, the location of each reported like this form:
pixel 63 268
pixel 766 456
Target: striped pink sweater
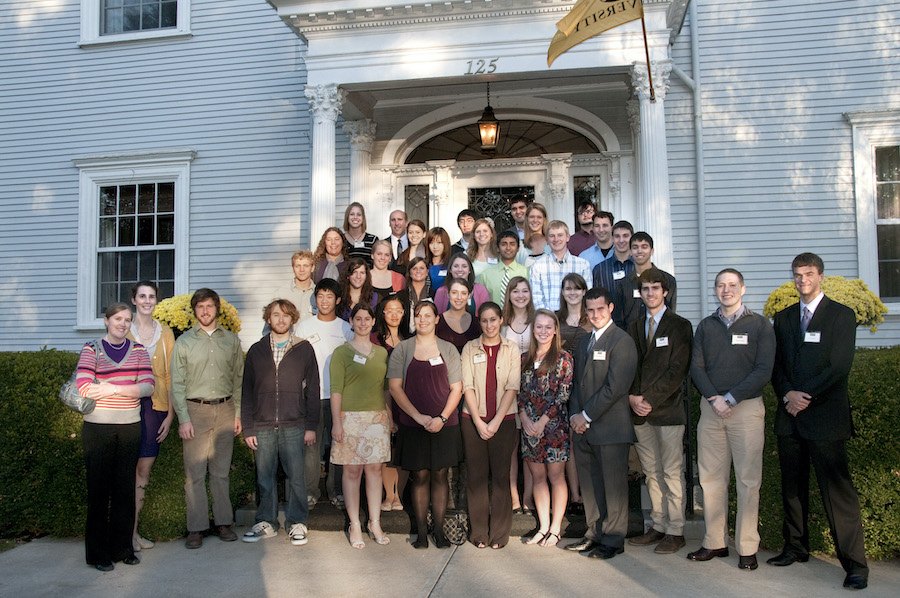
pixel 133 369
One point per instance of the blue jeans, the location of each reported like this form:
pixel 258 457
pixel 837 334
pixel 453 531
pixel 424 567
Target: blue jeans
pixel 287 444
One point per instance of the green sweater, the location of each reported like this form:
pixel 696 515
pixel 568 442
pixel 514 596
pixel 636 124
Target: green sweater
pixel 361 385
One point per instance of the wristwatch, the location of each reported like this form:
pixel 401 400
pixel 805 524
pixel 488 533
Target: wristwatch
pixel 443 419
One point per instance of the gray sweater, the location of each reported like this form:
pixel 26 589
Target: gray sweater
pixel 722 364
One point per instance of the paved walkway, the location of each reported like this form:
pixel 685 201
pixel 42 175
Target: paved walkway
pixel 327 566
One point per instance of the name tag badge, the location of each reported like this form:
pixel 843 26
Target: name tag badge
pixel 442 273
pixel 813 337
pixel 662 341
pixel 313 339
pixel 492 260
pixel 436 360
pixel 738 339
pixel 636 294
pixel 359 359
pixel 619 275
pixel 599 355
pixel 358 245
pixel 479 358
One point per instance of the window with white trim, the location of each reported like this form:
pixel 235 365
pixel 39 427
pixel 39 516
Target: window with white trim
pixel 133 226
pixel 107 21
pixel 876 173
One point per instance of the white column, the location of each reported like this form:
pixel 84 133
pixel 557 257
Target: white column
pixel 362 138
pixel 560 190
pixel 325 105
pixel 653 189
pixel 386 191
pixel 442 194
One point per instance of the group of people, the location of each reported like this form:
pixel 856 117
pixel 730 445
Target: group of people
pixel 396 360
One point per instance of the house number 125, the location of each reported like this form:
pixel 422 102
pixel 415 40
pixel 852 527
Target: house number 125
pixel 481 66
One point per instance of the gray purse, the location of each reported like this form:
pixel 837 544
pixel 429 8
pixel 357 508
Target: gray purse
pixel 69 394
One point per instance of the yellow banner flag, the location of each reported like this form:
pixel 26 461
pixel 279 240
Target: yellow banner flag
pixel 589 18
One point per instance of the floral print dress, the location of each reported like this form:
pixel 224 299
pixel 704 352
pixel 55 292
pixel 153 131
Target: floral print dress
pixel 547 393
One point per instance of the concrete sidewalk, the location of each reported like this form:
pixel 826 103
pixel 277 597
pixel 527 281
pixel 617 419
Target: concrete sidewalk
pixel 327 566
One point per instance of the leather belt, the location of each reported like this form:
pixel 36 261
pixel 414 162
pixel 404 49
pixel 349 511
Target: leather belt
pixel 210 401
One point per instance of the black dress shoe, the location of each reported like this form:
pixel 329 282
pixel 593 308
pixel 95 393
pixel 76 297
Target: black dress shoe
pixel 131 560
pixel 787 558
pixel 582 544
pixel 603 552
pixel 103 567
pixel 855 581
pixel 707 554
pixel 748 562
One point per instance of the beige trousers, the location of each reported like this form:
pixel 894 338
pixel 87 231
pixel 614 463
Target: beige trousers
pixel 661 450
pixel 211 449
pixel 719 441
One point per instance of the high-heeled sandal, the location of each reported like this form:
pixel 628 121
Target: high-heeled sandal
pixel 383 538
pixel 359 543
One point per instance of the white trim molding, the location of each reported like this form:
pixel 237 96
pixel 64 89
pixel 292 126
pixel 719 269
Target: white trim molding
pixel 92 35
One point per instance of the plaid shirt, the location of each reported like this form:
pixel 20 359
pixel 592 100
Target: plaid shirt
pixel 279 352
pixel 547 275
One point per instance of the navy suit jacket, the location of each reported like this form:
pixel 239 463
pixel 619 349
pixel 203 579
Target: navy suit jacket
pixel 818 368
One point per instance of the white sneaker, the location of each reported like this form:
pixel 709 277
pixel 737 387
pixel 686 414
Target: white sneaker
pixel 298 534
pixel 261 530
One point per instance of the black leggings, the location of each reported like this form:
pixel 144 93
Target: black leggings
pixel 427 486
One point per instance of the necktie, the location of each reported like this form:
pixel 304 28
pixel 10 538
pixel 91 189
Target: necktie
pixel 503 283
pixel 592 342
pixel 651 328
pixel 399 248
pixel 804 321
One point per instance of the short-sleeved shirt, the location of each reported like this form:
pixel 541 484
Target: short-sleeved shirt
pixel 359 378
pixel 324 337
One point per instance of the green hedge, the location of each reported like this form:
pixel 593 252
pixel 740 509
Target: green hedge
pixel 42 487
pixel 42 481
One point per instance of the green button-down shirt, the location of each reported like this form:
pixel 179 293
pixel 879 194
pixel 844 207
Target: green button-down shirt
pixel 206 366
pixel 493 276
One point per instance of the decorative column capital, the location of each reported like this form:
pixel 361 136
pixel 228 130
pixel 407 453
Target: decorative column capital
pixel 361 133
pixel 558 181
pixel 442 186
pixel 640 79
pixel 633 108
pixel 325 101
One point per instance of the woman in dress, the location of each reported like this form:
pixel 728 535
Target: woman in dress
pixel 491 367
pixel 156 411
pixel 331 255
pixel 356 287
pixel 116 376
pixel 437 253
pixel 361 422
pixel 572 314
pixel 542 401
pixel 457 326
pixel 384 281
pixel 425 379
pixel 388 333
pixel 483 250
pixel 460 266
pixel 359 241
pixel 418 288
pixel 415 232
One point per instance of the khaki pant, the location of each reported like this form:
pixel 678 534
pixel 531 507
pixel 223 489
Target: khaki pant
pixel 719 441
pixel 211 449
pixel 661 450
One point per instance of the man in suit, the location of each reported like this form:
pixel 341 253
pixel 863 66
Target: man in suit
pixel 663 341
pixel 398 239
pixel 605 363
pixel 815 342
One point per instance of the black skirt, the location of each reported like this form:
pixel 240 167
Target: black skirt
pixel 416 448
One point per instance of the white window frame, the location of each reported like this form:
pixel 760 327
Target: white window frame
pixel 870 129
pixel 100 171
pixel 91 33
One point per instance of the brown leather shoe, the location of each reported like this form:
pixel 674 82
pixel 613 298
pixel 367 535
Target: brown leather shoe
pixel 651 537
pixel 194 540
pixel 226 534
pixel 669 545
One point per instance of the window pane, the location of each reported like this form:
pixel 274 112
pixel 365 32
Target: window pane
pixel 889 260
pixel 145 230
pixel 150 16
pixel 108 197
pixel 887 163
pixel 107 269
pixel 165 197
pixel 127 199
pixel 131 18
pixel 128 266
pixel 165 230
pixel 112 20
pixel 146 198
pixel 147 265
pixel 169 16
pixel 888 200
pixel 108 294
pixel 166 290
pixel 889 280
pixel 126 232
pixel 888 242
pixel 167 265
pixel 107 232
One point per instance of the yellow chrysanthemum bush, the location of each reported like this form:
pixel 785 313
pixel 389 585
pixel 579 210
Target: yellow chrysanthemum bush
pixel 176 313
pixel 851 292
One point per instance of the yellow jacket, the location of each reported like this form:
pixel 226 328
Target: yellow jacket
pixel 161 362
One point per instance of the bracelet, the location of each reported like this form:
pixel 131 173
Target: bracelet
pixel 443 419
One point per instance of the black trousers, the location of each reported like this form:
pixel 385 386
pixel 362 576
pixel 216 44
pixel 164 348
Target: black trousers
pixel 829 459
pixel 603 476
pixel 110 458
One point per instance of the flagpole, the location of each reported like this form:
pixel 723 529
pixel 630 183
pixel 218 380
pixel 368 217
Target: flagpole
pixel 647 52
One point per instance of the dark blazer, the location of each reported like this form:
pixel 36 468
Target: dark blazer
pixel 630 308
pixel 820 369
pixel 662 370
pixel 600 388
